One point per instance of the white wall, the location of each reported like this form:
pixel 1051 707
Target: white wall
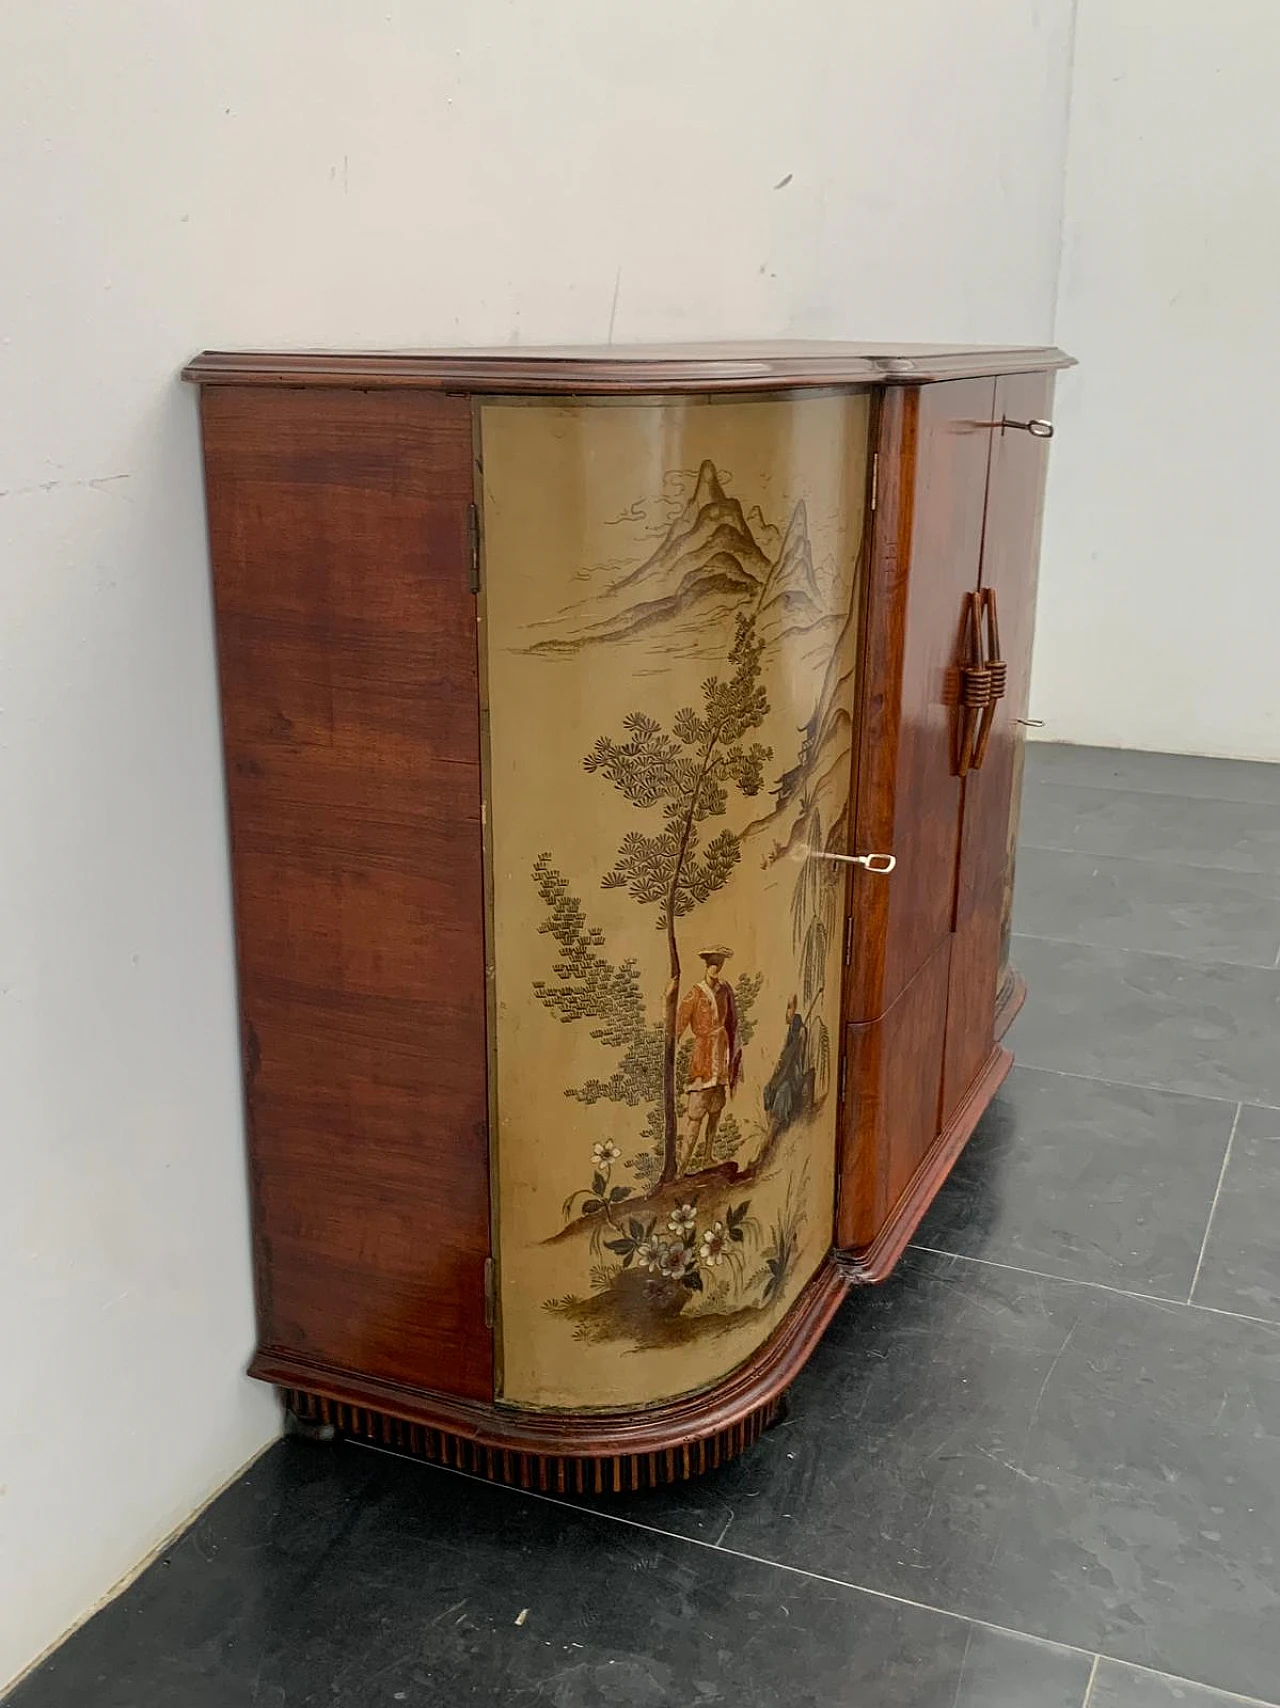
pixel 355 174
pixel 1160 598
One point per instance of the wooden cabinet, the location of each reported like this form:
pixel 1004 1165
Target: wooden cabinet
pixel 586 1066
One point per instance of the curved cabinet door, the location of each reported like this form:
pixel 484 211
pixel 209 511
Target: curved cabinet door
pixel 669 628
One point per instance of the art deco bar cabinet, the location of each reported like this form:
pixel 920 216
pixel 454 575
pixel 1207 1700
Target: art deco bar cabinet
pixel 622 751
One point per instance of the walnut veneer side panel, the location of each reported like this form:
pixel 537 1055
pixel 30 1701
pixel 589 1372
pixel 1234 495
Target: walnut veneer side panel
pixel 338 523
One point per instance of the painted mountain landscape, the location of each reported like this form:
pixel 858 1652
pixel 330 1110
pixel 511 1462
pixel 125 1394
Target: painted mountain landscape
pixel 714 565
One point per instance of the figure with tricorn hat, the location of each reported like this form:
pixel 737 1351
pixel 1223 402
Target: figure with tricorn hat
pixel 710 1012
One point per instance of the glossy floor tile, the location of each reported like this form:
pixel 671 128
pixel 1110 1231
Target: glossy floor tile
pixel 338 1576
pixel 1057 1459
pixel 1086 1180
pixel 1125 1687
pixel 1200 912
pixel 1187 775
pixel 1208 1029
pixel 1239 836
pixel 1241 1267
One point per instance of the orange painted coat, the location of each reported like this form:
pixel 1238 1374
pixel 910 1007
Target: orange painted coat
pixel 712 1016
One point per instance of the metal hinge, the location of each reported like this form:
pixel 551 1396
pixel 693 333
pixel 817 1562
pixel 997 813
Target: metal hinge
pixel 875 477
pixel 473 546
pixel 489 1301
pixel 848 938
pixel 844 1074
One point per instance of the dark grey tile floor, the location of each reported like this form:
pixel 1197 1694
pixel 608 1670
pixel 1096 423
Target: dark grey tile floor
pixel 1039 1468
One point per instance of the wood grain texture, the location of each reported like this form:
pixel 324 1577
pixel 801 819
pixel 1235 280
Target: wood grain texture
pixel 893 1094
pixel 347 656
pixel 588 370
pixel 926 548
pixel 1010 548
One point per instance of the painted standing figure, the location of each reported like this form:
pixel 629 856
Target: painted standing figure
pixel 789 1092
pixel 710 1012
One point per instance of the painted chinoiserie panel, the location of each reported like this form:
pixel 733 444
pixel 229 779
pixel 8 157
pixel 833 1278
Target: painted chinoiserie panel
pixel 669 641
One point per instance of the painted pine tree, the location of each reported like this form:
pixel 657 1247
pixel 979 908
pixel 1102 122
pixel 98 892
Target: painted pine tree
pixel 687 775
pixel 588 986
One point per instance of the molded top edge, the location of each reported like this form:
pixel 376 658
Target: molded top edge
pixel 626 367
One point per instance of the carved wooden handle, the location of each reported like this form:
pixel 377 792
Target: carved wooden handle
pixel 982 679
pixel 999 676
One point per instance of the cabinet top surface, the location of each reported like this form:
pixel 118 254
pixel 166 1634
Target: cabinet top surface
pixel 626 367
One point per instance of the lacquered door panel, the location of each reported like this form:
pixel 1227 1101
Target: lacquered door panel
pixel 672 695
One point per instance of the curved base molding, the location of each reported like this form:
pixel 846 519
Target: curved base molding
pixel 548 1473
pixel 559 1452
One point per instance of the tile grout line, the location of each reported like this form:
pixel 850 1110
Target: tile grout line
pixel 1046 1275
pixel 1093 1679
pixel 1176 1678
pixel 964 1666
pixel 729 1553
pixel 1151 954
pixel 1039 780
pixel 1136 1085
pixel 803 1572
pixel 1128 949
pixel 1163 865
pixel 1098 1286
pixel 1208 1227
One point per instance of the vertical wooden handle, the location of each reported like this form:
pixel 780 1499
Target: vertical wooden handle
pixel 997 671
pixel 975 684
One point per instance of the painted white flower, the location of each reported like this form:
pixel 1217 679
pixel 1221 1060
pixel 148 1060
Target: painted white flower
pixel 682 1220
pixel 677 1260
pixel 604 1155
pixel 715 1245
pixel 649 1254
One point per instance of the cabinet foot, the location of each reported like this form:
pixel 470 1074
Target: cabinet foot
pixel 308 1428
